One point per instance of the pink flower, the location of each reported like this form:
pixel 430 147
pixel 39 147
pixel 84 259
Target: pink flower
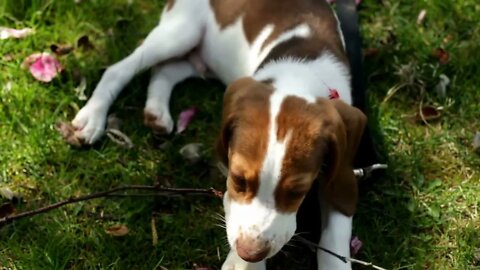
pixel 355 246
pixel 43 66
pixel 185 118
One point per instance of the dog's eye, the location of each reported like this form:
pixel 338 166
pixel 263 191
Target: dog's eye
pixel 239 183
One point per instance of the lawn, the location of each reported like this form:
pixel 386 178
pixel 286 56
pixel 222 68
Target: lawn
pixel 423 214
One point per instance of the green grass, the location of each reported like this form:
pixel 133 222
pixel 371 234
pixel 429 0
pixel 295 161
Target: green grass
pixel 422 215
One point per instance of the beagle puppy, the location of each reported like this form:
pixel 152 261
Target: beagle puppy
pixel 287 115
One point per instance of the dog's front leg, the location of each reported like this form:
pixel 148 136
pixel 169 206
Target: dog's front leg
pixel 175 36
pixel 336 234
pixel 234 262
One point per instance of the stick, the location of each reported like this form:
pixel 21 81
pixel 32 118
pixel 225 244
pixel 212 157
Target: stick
pixel 340 257
pixel 159 190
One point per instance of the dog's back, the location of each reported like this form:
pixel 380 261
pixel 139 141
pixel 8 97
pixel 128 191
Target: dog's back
pixel 242 35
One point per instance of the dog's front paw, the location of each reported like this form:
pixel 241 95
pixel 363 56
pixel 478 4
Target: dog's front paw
pixel 89 124
pixel 160 122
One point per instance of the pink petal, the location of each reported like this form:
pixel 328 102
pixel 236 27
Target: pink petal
pixel 355 246
pixel 14 33
pixel 43 66
pixel 185 118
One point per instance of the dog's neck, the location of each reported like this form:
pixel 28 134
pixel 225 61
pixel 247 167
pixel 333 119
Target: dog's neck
pixel 309 79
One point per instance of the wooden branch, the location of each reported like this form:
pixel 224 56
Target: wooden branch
pixel 158 191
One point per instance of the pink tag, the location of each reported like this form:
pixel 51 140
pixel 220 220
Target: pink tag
pixel 333 94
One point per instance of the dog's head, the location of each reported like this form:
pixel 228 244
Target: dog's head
pixel 275 146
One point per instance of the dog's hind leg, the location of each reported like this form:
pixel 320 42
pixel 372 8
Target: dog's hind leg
pixel 164 78
pixel 180 30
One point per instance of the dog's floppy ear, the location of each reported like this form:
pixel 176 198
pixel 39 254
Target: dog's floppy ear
pixel 231 103
pixel 344 136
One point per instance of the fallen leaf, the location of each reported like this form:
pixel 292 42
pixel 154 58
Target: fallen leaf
pixel 43 66
pixel 441 55
pixel 7 193
pixel 421 16
pixel 476 142
pixel 192 152
pixel 185 118
pixel 80 89
pixel 117 230
pixel 61 49
pixel 476 256
pixel 154 231
pixel 7 57
pixel 119 138
pixel 84 43
pixel 67 131
pixel 8 86
pixel 7 209
pixel 441 87
pixel 447 38
pixel 371 52
pixel 6 32
pixel 355 246
pixel 428 113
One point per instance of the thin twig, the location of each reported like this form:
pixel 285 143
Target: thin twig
pixel 340 257
pixel 158 190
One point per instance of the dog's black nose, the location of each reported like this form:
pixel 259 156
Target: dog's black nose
pixel 252 250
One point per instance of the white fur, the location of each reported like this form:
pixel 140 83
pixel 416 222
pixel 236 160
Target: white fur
pixel 228 54
pixel 179 31
pixel 336 234
pixel 308 79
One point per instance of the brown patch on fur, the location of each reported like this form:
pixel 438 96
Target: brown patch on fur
pixel 149 120
pixel 304 123
pixel 325 131
pixel 243 140
pixel 285 15
pixel 169 4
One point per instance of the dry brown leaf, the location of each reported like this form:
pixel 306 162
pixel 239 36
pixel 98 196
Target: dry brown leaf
pixel 192 152
pixel 61 49
pixel 476 142
pixel 442 56
pixel 371 52
pixel 7 193
pixel 117 230
pixel 428 113
pixel 84 43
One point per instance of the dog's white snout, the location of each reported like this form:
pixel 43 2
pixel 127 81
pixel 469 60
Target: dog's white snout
pixel 252 249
